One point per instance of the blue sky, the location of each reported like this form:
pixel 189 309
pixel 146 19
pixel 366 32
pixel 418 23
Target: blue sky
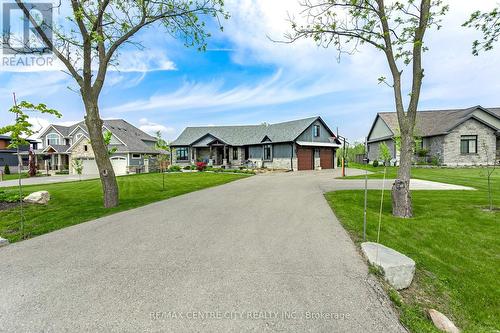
pixel 246 78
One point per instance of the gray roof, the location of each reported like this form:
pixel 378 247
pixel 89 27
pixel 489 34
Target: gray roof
pixel 436 122
pixel 246 134
pixel 133 138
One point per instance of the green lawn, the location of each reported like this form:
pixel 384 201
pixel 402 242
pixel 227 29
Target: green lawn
pixel 453 240
pixel 16 176
pixel 77 202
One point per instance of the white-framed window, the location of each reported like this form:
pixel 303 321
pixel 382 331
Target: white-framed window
pixel 268 152
pixel 136 156
pixel 316 131
pixel 52 139
pixel 468 144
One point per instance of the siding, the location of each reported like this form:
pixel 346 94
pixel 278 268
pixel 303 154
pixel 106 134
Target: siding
pixel 308 134
pixel 282 150
pixel 255 152
pixel 374 149
pixel 380 130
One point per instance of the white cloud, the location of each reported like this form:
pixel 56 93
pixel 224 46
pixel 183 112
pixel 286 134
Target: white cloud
pixel 277 89
pixel 151 128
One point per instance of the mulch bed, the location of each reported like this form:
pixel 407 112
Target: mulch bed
pixel 8 205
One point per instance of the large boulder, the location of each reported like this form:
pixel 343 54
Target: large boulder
pixel 398 269
pixel 40 197
pixel 3 242
pixel 442 322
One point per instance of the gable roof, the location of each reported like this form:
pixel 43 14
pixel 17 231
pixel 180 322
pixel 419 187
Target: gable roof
pixel 436 122
pixel 248 134
pixel 134 139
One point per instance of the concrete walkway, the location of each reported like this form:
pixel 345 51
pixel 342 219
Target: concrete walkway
pixel 261 254
pixel 46 180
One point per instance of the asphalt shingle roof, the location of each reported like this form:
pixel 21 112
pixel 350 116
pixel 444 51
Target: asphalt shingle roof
pixel 247 134
pixel 131 136
pixel 435 122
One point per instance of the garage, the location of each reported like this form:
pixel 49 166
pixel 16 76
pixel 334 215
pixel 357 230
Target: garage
pixel 305 158
pixel 119 165
pixel 326 158
pixel 89 167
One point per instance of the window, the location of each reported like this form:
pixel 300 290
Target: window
pixel 468 144
pixel 67 142
pixel 316 130
pixel 268 153
pixel 86 148
pixel 136 156
pixel 182 154
pixel 52 139
pixel 235 153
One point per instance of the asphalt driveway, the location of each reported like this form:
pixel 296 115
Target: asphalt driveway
pixel 262 254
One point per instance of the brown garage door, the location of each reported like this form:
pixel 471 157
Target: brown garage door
pixel 326 158
pixel 305 158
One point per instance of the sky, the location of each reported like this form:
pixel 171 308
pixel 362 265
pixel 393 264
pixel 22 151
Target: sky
pixel 246 78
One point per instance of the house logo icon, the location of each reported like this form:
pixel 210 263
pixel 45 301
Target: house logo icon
pixel 19 28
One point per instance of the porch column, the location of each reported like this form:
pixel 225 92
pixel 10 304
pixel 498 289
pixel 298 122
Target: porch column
pixel 210 157
pixel 195 155
pixel 224 156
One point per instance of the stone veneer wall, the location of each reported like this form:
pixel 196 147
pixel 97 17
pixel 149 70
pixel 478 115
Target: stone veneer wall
pixel 485 135
pixel 78 152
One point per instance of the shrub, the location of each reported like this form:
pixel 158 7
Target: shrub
pixel 435 160
pixel 62 172
pixel 375 163
pixel 187 167
pixel 174 168
pixel 6 170
pixel 201 166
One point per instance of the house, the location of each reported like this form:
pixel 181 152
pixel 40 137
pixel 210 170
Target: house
pixel 457 137
pixel 8 155
pixel 61 145
pixel 303 144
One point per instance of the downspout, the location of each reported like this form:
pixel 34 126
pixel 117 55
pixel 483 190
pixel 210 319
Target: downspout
pixel 291 157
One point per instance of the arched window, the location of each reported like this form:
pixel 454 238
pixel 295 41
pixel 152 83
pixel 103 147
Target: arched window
pixel 52 139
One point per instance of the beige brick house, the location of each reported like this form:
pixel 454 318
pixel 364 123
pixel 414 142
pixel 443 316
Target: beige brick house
pixel 458 137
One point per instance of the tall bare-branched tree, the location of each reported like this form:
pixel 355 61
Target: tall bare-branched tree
pixel 397 29
pixel 88 41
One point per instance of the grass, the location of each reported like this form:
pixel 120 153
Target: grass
pixel 77 202
pixel 454 241
pixel 15 175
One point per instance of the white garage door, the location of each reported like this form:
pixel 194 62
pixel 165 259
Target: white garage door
pixel 119 165
pixel 89 167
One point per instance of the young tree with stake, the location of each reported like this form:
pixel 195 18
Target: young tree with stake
pixel 397 28
pixel 88 41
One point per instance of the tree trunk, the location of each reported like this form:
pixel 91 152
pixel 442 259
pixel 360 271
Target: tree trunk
pixel 401 196
pixel 106 173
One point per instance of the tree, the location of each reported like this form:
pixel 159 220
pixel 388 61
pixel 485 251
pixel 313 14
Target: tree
pixel 489 25
pixel 163 155
pixel 384 153
pixel 107 136
pixel 88 41
pixel 397 28
pixel 491 165
pixel 78 166
pixel 19 131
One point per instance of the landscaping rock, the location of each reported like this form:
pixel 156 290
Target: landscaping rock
pixel 442 322
pixel 40 197
pixel 398 269
pixel 3 242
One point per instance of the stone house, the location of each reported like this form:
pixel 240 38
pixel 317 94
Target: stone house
pixel 304 144
pixel 458 137
pixel 61 145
